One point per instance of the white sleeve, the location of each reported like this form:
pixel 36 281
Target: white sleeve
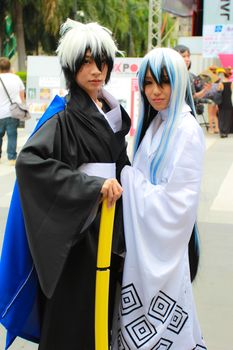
pixel 156 295
pixel 20 84
pixel 159 219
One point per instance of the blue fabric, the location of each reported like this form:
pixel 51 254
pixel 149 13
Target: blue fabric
pixel 9 126
pixel 18 279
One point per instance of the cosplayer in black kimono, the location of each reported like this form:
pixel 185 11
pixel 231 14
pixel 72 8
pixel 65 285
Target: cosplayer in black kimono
pixel 64 171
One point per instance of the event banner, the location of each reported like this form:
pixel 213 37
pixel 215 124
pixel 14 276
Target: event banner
pixel 217 27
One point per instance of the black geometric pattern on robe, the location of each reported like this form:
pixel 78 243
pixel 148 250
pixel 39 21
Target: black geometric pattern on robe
pixel 178 320
pixel 199 347
pixel 163 344
pixel 122 345
pixel 140 331
pixel 161 306
pixel 130 300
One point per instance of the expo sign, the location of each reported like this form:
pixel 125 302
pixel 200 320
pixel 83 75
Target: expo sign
pixel 125 67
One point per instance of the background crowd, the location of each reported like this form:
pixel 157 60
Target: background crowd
pixel 213 87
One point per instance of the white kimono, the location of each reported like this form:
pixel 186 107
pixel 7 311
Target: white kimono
pixel 157 310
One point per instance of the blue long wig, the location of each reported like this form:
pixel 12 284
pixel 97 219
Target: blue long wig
pixel 158 61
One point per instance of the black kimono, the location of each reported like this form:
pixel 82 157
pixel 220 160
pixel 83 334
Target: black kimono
pixel 57 199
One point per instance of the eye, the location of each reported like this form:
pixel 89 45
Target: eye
pixel 147 82
pixel 165 79
pixel 166 82
pixel 103 64
pixel 86 61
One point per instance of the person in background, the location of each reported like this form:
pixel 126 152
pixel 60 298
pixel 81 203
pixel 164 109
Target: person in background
pixel 160 200
pixel 8 125
pixel 64 172
pixel 185 53
pixel 213 107
pixel 226 106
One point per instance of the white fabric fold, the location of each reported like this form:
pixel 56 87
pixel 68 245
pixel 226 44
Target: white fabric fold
pixel 114 115
pixel 105 170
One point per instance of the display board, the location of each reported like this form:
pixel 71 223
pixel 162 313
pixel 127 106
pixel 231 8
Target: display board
pixel 217 28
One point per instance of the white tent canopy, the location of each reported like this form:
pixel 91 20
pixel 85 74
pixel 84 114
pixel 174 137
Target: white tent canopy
pixel 182 8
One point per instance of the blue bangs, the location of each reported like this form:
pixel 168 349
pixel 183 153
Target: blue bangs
pixel 157 61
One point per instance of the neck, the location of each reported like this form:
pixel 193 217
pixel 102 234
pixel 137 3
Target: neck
pixel 96 99
pixel 99 103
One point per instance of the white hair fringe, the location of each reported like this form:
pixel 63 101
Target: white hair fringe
pixel 76 37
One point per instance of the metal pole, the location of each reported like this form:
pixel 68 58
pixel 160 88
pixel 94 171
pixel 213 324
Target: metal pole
pixel 155 23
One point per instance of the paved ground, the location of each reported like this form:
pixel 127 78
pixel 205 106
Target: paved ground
pixel 214 284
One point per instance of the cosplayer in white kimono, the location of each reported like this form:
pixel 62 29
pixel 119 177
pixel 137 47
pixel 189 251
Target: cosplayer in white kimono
pixel 160 200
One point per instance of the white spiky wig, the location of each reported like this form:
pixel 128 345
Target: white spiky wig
pixel 157 60
pixel 77 38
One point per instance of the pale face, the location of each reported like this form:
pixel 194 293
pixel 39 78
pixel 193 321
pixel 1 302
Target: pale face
pixel 157 96
pixel 186 57
pixel 89 77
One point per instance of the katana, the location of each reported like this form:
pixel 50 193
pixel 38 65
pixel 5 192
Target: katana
pixel 103 276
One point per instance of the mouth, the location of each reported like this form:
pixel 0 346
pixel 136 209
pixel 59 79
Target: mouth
pixel 95 81
pixel 158 100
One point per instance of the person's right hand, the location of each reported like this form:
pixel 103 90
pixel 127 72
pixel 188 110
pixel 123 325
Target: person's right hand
pixel 111 190
pixel 207 87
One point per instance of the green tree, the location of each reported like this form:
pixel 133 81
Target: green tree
pixel 3 6
pixel 43 12
pixel 168 30
pixel 36 23
pixel 128 20
pixel 18 21
pixel 9 40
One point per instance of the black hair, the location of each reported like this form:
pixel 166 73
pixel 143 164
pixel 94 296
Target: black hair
pixel 100 60
pixel 182 48
pixel 76 39
pixel 194 253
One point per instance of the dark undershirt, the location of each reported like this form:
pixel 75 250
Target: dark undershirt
pixel 105 106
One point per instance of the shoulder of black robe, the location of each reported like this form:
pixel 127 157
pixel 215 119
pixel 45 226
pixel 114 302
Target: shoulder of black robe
pixel 56 197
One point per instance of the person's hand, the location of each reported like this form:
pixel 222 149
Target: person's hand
pixel 220 87
pixel 111 190
pixel 207 87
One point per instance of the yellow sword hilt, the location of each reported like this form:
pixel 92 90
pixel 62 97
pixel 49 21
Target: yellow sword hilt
pixel 103 276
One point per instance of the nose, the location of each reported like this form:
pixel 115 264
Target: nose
pixel 95 70
pixel 156 89
pixel 187 61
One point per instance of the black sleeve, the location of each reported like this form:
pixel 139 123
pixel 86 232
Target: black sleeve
pixel 56 201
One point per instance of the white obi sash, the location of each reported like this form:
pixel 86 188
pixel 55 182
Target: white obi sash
pixel 105 170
